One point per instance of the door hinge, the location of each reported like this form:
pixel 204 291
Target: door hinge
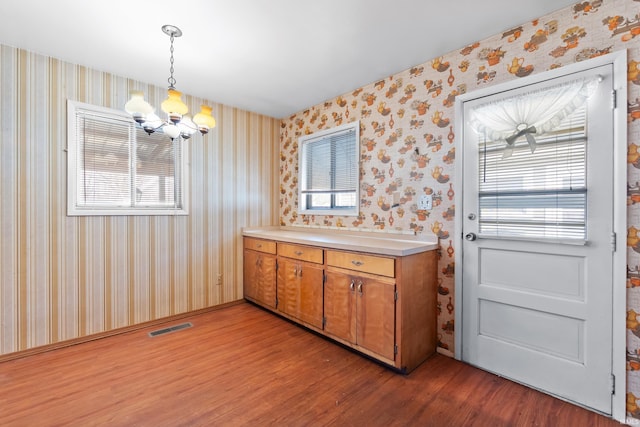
pixel 614 241
pixel 277 265
pixel 324 278
pixel 613 384
pixel 395 349
pixel 395 295
pixel 276 302
pixel 614 99
pixel 324 322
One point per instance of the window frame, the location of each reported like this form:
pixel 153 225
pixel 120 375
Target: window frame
pixel 74 108
pixel 303 196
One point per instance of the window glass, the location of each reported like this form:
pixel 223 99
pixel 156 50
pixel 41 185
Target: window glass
pixel 539 194
pixel 329 171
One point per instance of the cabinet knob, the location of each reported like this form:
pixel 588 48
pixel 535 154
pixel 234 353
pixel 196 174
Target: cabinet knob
pixel 259 245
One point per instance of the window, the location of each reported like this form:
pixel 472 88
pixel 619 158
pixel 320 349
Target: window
pixel 329 171
pixel 116 168
pixel 540 194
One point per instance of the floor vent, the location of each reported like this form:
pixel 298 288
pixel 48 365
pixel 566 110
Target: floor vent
pixel 170 329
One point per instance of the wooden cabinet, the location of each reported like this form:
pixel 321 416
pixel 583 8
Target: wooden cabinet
pixel 382 306
pixel 299 283
pixel 361 311
pixel 260 271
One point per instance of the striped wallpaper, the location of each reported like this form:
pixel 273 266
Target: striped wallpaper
pixel 64 277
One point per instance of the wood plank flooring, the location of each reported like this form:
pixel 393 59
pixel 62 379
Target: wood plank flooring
pixel 244 366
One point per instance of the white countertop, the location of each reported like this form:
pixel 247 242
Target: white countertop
pixel 371 242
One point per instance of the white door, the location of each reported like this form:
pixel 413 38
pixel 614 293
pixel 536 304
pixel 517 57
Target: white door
pixel 537 253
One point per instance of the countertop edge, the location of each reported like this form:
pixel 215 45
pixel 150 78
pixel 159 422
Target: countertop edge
pixel 322 238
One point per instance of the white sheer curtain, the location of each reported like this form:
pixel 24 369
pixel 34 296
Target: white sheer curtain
pixel 530 114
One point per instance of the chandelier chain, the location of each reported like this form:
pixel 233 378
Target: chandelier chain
pixel 171 79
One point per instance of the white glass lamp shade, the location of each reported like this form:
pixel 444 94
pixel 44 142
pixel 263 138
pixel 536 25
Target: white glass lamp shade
pixel 173 106
pixel 187 127
pixel 138 107
pixel 204 120
pixel 171 131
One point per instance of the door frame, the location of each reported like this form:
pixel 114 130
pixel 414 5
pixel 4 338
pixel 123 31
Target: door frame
pixel 619 62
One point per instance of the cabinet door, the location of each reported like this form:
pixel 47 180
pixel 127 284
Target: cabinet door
pixel 288 287
pixel 260 277
pixel 300 290
pixel 340 306
pixel 310 293
pixel 250 268
pixel 266 280
pixel 375 324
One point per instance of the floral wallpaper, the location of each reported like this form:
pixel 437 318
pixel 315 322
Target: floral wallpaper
pixel 408 134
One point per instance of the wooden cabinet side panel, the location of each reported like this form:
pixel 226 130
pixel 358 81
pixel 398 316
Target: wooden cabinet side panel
pixel 375 325
pixel 339 306
pixel 417 308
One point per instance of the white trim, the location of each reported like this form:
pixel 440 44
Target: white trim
pixel 618 352
pixel 619 62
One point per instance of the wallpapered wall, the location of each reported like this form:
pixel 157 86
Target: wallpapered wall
pixel 407 138
pixel 67 277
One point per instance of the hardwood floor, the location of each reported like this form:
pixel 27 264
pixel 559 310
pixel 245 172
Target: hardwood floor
pixel 244 366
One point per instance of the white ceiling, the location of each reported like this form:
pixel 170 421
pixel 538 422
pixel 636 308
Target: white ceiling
pixel 273 57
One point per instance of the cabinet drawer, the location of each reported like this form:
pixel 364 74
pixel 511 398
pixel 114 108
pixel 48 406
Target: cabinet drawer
pixel 260 245
pixel 303 253
pixel 366 263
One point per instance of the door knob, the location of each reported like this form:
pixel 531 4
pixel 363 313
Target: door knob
pixel 470 236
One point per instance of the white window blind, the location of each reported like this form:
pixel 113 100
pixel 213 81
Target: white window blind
pixel 329 171
pixel 115 168
pixel 540 194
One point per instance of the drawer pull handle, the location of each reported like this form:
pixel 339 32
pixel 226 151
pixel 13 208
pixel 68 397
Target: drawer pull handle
pixel 298 253
pixel 259 245
pixel 357 263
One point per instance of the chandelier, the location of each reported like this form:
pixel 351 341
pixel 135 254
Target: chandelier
pixel 178 123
